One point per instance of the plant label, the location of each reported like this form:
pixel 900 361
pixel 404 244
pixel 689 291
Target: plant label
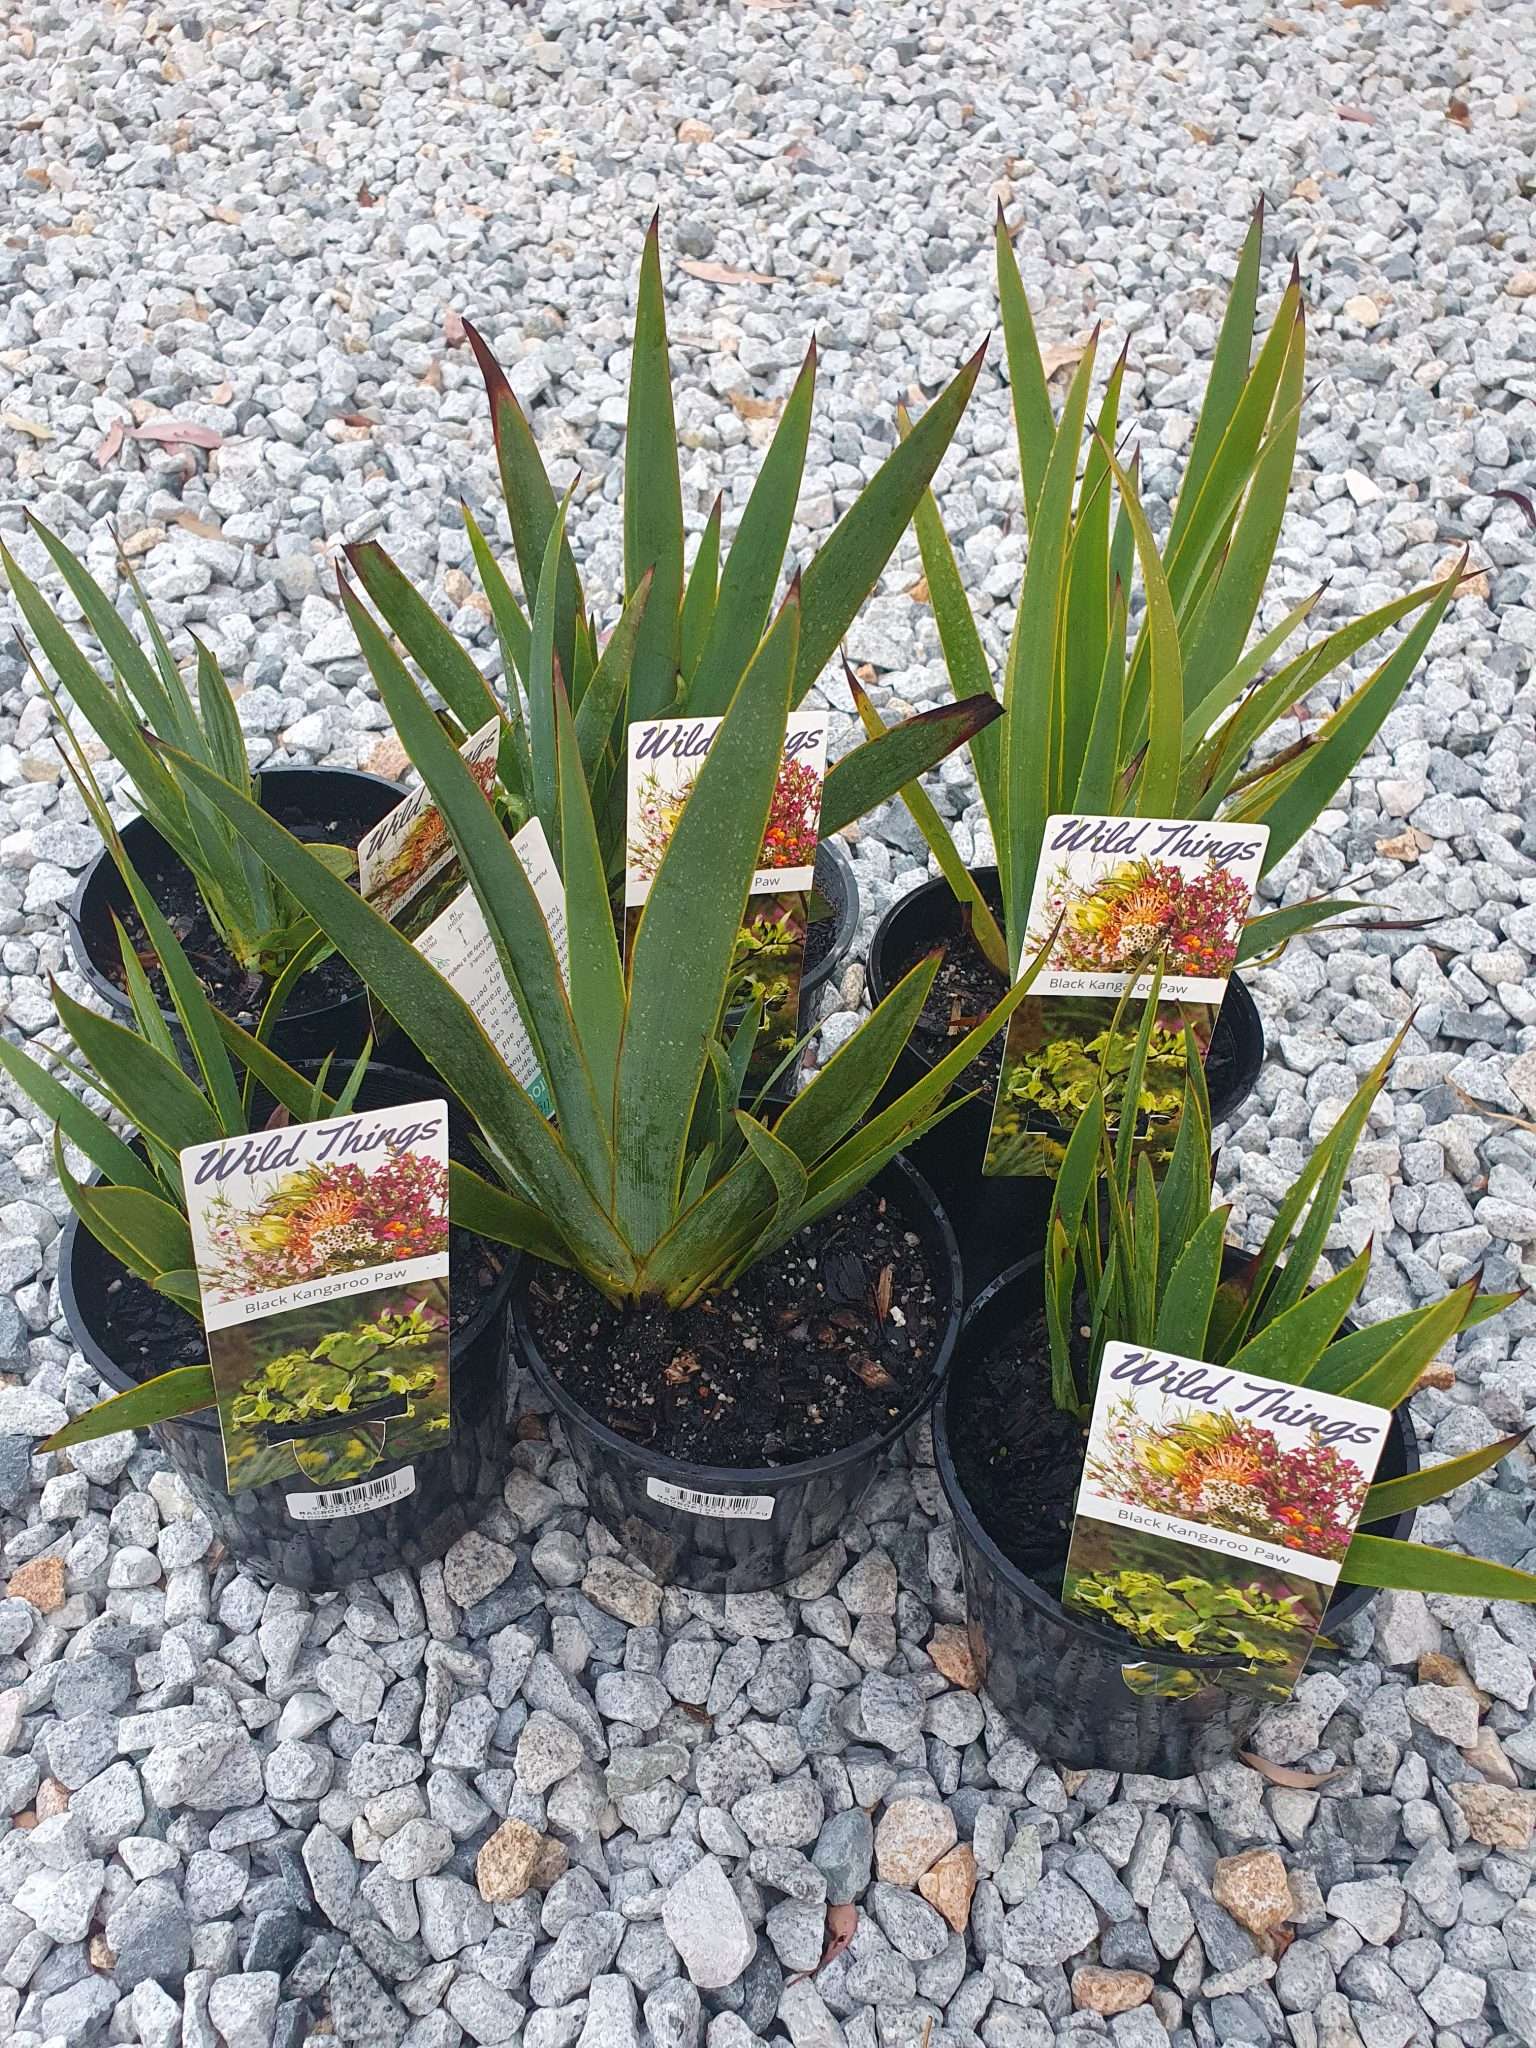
pixel 411 848
pixel 1114 899
pixel 459 945
pixel 728 1507
pixel 664 759
pixel 322 1257
pixel 1215 1510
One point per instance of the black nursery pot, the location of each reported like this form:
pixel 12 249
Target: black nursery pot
pixel 998 1219
pixel 1056 1675
pixel 314 803
pixel 454 1487
pixel 777 1516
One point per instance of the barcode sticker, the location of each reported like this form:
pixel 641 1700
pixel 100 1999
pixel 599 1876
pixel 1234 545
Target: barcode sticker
pixel 730 1507
pixel 353 1500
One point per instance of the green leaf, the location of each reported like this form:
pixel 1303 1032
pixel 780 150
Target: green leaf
pixel 441 659
pixel 87 1132
pixel 703 588
pixel 1389 1498
pixel 756 558
pixel 434 1016
pixel 1290 1343
pixel 1034 426
pixel 512 628
pixel 185 1391
pixel 1334 751
pixel 1099 777
pixel 524 949
pixel 595 968
pixel 1184 1312
pixel 694 913
pixel 782 1166
pixel 152 1026
pixel 1243 570
pixel 609 686
pixel 477 1204
pixel 530 502
pixel 1229 371
pixel 1415 1568
pixel 1090 614
pixel 1320 1183
pixel 1157 786
pixel 653 499
pixel 871 774
pixel 1184 1199
pixel 541 687
pixel 970 674
pixel 1074 1183
pixel 963 885
pixel 150 1089
pixel 846 568
pixel 1032 685
pixel 1394 1373
pixel 842 1091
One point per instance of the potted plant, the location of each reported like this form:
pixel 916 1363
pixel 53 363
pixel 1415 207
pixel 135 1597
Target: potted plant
pixel 129 1289
pixel 734 1310
pixel 1166 712
pixel 1144 1683
pixel 683 637
pixel 242 930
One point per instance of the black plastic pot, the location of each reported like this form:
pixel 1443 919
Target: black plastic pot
pixel 783 1513
pixel 834 881
pixel 998 1219
pixel 1057 1676
pixel 453 1487
pixel 337 803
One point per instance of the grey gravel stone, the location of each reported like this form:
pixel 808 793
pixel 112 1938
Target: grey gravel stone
pixel 706 1925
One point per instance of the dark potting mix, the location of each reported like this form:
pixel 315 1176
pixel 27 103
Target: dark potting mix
pixel 818 1347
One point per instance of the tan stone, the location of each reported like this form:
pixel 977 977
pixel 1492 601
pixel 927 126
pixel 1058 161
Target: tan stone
pixel 40 1582
pixel 552 1862
pixel 1522 285
pixel 694 131
pixel 1095 1989
pixel 1496 1816
pixel 950 1885
pixel 1365 312
pixel 52 1798
pixel 1254 1888
pixel 1435 1668
pixel 1487 1755
pixel 388 758
pixel 913 1834
pixel 100 1953
pixel 951 1653
pixel 505 1866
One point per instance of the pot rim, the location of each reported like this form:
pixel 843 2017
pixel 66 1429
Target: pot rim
pixel 759 1478
pixel 845 926
pixel 1350 1598
pixel 109 1371
pixel 100 980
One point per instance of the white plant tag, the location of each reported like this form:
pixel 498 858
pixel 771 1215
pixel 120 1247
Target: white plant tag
pixel 459 945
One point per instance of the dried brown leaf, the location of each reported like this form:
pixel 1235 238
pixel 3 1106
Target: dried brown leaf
pixel 1064 355
pixel 885 1288
pixel 201 529
pixel 750 408
pixel 842 1926
pixel 723 273
pixel 1459 112
pixel 177 434
pixel 20 424
pixel 871 1372
pixel 682 1369
pixel 109 444
pixel 1286 1774
pixel 365 197
pixel 1360 114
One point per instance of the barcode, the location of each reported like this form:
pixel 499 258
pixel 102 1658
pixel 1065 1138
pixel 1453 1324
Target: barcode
pixel 730 1507
pixel 361 1499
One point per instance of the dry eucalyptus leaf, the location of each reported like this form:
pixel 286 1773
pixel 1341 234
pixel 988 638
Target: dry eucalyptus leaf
pixel 723 273
pixel 177 434
pixel 1285 1774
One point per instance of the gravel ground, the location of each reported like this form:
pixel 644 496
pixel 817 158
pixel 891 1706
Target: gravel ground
pixel 247 1817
